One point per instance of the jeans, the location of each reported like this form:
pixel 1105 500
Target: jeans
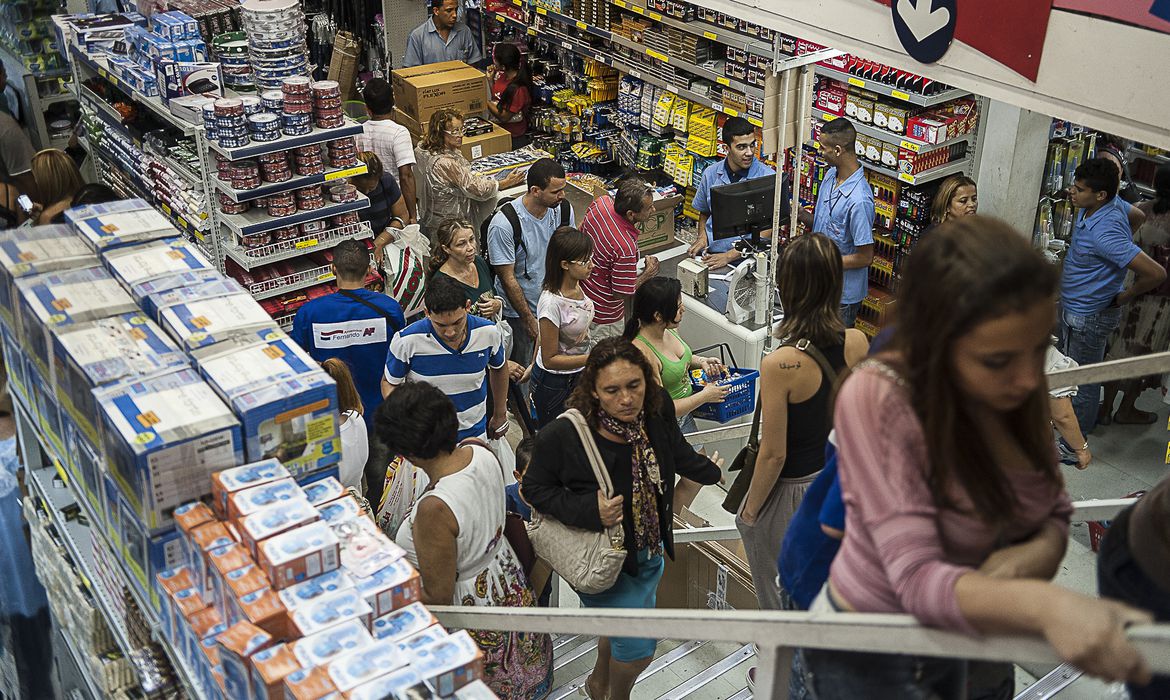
pixel 1083 338
pixel 842 675
pixel 549 393
pixel 796 689
pixel 849 313
pixel 522 346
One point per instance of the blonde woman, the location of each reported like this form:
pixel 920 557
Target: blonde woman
pixel 957 197
pixel 455 254
pixel 58 180
pixel 447 185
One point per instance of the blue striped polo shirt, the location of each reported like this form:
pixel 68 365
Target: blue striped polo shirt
pixel 417 354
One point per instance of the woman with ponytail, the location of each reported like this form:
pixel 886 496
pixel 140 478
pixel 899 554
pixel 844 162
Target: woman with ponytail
pixel 455 254
pixel 511 92
pixel 1145 327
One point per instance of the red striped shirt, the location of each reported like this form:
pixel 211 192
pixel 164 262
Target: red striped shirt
pixel 615 260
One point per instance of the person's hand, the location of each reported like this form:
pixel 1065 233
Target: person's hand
pixel 531 327
pixel 512 179
pixel 1084 457
pixel 35 213
pixel 717 460
pixel 714 261
pixel 489 308
pixel 698 246
pixel 498 426
pixel 1090 634
pixel 651 268
pixel 492 71
pixel 515 371
pixel 385 238
pixel 610 509
pixel 713 393
pixel 712 366
pixel 526 375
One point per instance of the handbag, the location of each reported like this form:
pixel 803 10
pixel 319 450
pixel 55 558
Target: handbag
pixel 588 561
pixel 745 461
pixel 404 267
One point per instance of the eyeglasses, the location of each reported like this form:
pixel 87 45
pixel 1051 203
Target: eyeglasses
pixel 453 133
pixel 584 263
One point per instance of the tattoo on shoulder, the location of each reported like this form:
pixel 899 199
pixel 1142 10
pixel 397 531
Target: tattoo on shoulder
pixel 790 365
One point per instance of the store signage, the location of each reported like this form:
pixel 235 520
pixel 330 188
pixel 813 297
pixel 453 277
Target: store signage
pixel 925 27
pixel 1009 31
pixel 1151 14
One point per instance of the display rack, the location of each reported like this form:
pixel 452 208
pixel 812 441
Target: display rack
pixel 250 259
pixel 888 91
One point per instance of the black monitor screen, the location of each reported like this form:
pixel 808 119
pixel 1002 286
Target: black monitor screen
pixel 744 208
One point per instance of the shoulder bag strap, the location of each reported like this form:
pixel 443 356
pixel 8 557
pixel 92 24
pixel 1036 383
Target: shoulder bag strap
pixel 591 450
pixel 381 312
pixel 806 346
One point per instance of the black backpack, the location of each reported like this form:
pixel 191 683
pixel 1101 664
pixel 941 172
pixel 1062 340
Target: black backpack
pixel 513 218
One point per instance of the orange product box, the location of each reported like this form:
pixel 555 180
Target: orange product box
pixel 188 517
pixel 275 519
pixel 201 625
pixel 269 668
pixel 182 604
pixel 391 588
pixel 228 481
pixel 240 583
pixel 222 561
pixel 300 554
pixel 236 647
pixel 167 583
pixel 205 538
pixel 309 684
pixel 263 609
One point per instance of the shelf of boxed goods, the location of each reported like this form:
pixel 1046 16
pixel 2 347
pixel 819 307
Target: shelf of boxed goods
pixel 250 259
pixel 700 71
pixel 97 65
pixel 900 140
pixel 703 29
pixel 41 481
pixel 942 171
pixel 594 54
pixel 890 91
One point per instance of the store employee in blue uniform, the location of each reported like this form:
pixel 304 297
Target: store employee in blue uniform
pixel 354 324
pixel 741 164
pixel 844 212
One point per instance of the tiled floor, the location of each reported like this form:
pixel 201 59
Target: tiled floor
pixel 1126 459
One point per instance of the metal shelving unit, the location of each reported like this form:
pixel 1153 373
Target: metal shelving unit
pixel 296 247
pixel 888 91
pixel 258 148
pixel 890 137
pixel 291 283
pixel 269 189
pixel 703 29
pixel 257 221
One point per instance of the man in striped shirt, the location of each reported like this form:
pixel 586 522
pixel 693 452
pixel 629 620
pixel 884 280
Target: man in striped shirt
pixel 455 352
pixel 611 223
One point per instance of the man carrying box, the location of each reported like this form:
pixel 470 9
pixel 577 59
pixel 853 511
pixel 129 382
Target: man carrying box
pixel 441 38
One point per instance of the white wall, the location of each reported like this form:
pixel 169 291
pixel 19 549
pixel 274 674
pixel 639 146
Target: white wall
pixel 1014 146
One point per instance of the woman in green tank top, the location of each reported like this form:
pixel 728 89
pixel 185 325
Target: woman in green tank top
pixel 657 311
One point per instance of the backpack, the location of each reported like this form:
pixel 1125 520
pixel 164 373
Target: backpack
pixel 513 218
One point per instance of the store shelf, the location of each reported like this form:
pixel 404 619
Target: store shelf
pixel 700 71
pixel 296 247
pixel 938 173
pixel 889 91
pixel 83 668
pixel 269 189
pixel 703 29
pixel 154 104
pixel 507 19
pixel 258 220
pixel 596 55
pixel 54 99
pixel 257 148
pixel 1153 157
pixel 291 283
pixel 891 137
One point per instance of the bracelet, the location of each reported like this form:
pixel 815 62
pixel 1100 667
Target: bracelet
pixel 1083 447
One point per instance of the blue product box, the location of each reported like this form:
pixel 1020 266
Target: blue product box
pixel 147 553
pixel 148 293
pixel 207 321
pixel 111 498
pixel 47 411
pixel 176 79
pixel 85 462
pixel 403 623
pixel 163 437
pixel 184 288
pixel 61 299
pixel 322 491
pixel 14 362
pixel 121 223
pixel 104 352
pixel 167 26
pixel 286 403
pixel 159 48
pixel 308 591
pixel 25 252
pixel 190 25
pixel 357 667
pixel 134 265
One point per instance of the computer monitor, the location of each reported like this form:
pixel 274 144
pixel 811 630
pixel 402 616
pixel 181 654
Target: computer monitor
pixel 744 208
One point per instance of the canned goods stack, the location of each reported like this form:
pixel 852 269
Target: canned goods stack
pixel 276 40
pixel 343 153
pixel 343 193
pixel 309 160
pixel 347 219
pixel 264 126
pixel 274 167
pixel 272 101
pixel 287 233
pixel 283 204
pixel 309 198
pixel 252 241
pixel 223 168
pixel 229 206
pixel 311 228
pixel 208 112
pixel 327 104
pixel 230 123
pixel 231 50
pixel 245 175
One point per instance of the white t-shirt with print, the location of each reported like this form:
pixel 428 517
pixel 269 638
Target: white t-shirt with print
pixel 572 317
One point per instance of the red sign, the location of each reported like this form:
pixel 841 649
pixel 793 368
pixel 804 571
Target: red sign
pixel 1143 13
pixel 1009 31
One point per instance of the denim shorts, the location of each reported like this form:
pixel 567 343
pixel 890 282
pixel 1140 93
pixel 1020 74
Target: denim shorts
pixel 549 393
pixel 639 591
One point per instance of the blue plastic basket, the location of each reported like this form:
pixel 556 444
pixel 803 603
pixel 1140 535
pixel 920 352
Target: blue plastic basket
pixel 740 399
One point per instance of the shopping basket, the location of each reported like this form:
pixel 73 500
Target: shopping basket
pixel 1098 528
pixel 741 394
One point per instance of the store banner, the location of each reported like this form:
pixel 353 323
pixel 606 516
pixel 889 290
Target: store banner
pixel 1009 31
pixel 1151 14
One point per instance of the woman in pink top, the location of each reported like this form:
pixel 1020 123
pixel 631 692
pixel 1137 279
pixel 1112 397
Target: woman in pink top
pixel 956 511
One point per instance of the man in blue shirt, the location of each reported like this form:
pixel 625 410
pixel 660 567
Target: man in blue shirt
pixel 354 324
pixel 441 38
pixel 1091 294
pixel 453 351
pixel 741 164
pixel 517 254
pixel 844 212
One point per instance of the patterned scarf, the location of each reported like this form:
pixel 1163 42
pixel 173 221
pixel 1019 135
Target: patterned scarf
pixel 647 480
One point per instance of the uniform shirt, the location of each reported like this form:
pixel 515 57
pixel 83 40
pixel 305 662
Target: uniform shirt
pixel 1094 268
pixel 425 46
pixel 845 214
pixel 615 260
pixel 716 175
pixel 341 327
pixel 390 141
pixel 416 353
pixel 528 259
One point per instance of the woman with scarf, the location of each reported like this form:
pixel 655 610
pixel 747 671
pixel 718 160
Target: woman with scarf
pixel 631 418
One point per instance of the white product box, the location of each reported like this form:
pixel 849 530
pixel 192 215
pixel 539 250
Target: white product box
pixel 325 584
pixel 25 252
pixel 162 290
pixel 230 481
pixel 285 401
pixel 323 491
pixel 283 492
pixel 390 685
pixel 357 667
pixel 163 438
pixel 344 508
pixel 418 640
pixel 400 624
pixel 330 610
pixel 393 587
pixel 273 520
pixel 134 265
pixel 300 554
pixel 450 664
pixel 204 322
pixel 114 224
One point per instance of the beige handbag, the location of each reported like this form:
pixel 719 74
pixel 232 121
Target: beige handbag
pixel 589 561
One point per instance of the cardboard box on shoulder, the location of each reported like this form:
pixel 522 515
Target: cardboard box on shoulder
pixel 658 233
pixel 421 91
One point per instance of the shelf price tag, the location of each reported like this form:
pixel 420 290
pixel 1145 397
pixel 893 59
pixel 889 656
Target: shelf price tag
pixel 349 172
pixel 660 56
pixel 730 112
pixel 900 95
pixel 856 82
pixel 906 178
pixel 582 25
pixel 307 243
pixel 566 45
pixel 757 122
pixel 166 209
pixel 531 31
pixel 325 277
pixel 825 116
pixel 500 18
pixel 711 35
pixel 725 82
pixel 541 11
pixel 909 146
pixel 654 16
pixel 636 9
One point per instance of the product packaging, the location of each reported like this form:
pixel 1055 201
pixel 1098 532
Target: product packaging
pixel 230 481
pixel 344 508
pixel 314 588
pixel 236 647
pixel 115 224
pixel 273 520
pixel 410 645
pixel 323 491
pixel 391 588
pixel 329 610
pixel 238 584
pixel 133 265
pixel 284 492
pixel 357 667
pixel 450 663
pixel 188 517
pixel 164 436
pixel 365 549
pixel 299 554
pixel 403 623
pixel 203 322
pixel 202 541
pixel 309 684
pixel 25 252
pixel 221 561
pixel 161 292
pixel 263 609
pixel 323 647
pixel 269 668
